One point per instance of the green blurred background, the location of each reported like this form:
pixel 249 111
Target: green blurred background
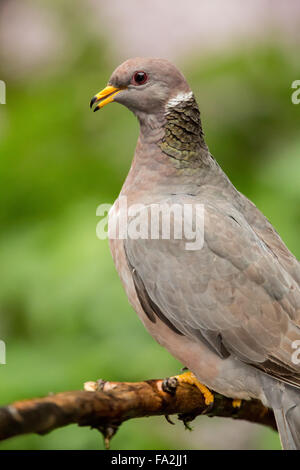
pixel 63 314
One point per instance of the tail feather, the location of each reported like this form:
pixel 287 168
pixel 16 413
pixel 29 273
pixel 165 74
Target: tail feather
pixel 285 401
pixel 285 429
pixel 293 420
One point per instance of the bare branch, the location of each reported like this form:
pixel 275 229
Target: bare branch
pixel 107 404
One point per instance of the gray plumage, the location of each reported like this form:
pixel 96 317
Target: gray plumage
pixel 229 311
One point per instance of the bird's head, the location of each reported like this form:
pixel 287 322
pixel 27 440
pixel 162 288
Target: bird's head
pixel 144 85
pixel 160 97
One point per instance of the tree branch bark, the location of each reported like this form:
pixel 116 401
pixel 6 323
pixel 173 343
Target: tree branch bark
pixel 105 405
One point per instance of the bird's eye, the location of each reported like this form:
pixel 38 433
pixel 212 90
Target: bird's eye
pixel 139 78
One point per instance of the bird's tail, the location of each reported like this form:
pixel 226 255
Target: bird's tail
pixel 285 401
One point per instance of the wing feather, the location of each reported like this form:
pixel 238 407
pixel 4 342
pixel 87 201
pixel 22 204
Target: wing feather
pixel 233 293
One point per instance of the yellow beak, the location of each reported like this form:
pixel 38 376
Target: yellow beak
pixel 104 97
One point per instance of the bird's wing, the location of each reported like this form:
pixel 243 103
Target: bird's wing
pixel 265 230
pixel 232 293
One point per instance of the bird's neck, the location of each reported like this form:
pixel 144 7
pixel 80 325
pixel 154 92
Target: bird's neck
pixel 171 154
pixel 177 132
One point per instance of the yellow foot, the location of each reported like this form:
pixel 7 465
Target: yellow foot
pixel 190 378
pixel 236 403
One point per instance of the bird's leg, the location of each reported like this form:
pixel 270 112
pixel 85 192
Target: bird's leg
pixel 190 378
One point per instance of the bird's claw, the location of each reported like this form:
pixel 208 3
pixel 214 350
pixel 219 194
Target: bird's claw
pixel 169 419
pixel 186 419
pixel 236 403
pixel 190 378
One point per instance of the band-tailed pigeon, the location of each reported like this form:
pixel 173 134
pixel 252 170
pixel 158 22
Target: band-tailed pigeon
pixel 230 310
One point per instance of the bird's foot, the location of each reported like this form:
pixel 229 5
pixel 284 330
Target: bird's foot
pixel 236 403
pixel 190 378
pixel 170 385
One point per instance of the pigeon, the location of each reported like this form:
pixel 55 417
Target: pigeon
pixel 228 304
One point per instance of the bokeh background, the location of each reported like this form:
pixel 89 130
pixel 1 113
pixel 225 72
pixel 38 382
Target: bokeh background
pixel 63 314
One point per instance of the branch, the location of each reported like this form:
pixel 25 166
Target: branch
pixel 105 405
